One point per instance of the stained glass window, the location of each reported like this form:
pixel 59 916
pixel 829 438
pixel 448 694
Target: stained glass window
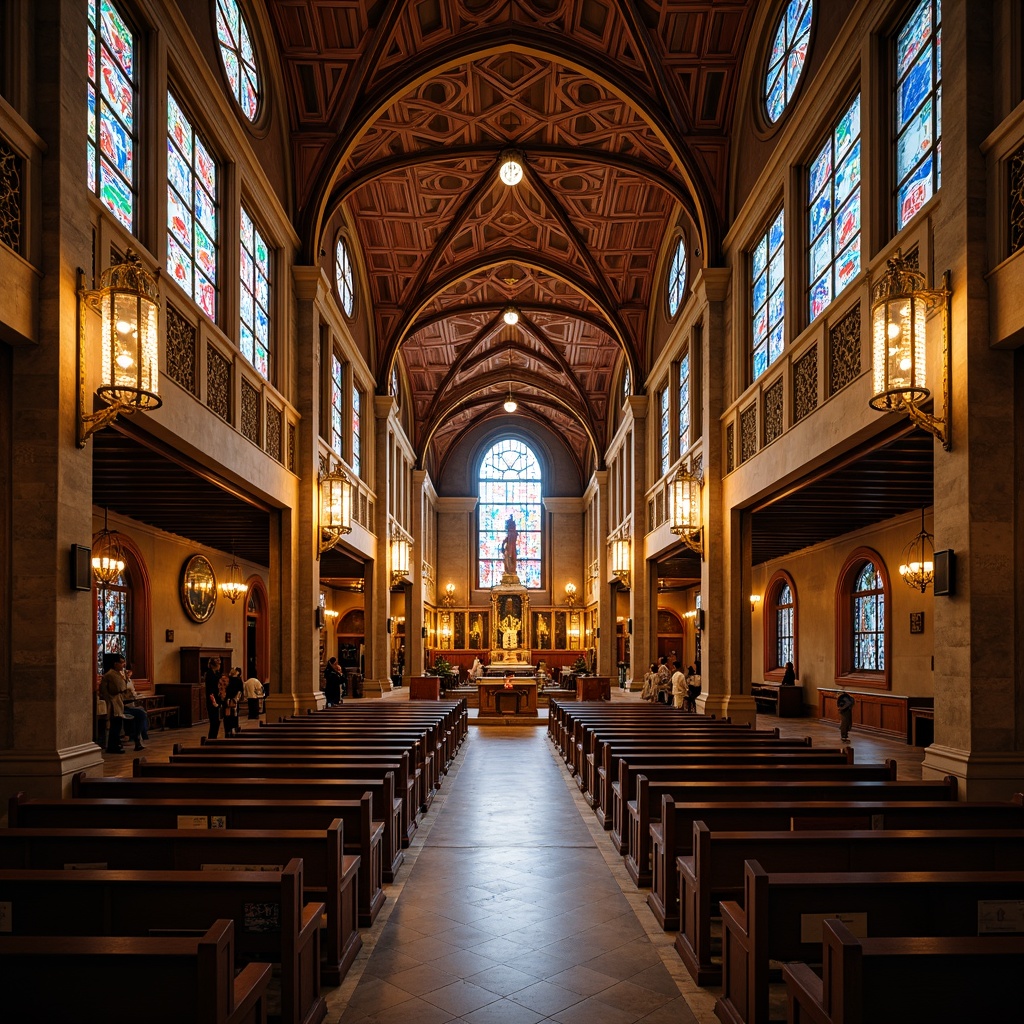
pixel 786 61
pixel 918 111
pixel 113 618
pixel 509 486
pixel 663 432
pixel 357 439
pixel 768 298
pixel 784 626
pixel 677 278
pixel 112 92
pixel 394 383
pixel 191 210
pixel 833 219
pixel 237 54
pixel 337 403
pixel 255 297
pixel 868 620
pixel 343 277
pixel 684 403
pixel 627 385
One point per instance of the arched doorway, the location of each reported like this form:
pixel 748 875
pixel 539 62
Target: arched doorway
pixel 351 636
pixel 670 635
pixel 257 636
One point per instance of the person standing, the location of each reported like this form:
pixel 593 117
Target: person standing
pixel 678 686
pixel 232 722
pixel 692 688
pixel 650 690
pixel 333 679
pixel 216 704
pixel 112 688
pixel 664 682
pixel 845 702
pixel 211 678
pixel 252 690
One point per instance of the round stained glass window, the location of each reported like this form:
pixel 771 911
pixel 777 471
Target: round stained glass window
pixel 237 54
pixel 677 278
pixel 786 61
pixel 343 277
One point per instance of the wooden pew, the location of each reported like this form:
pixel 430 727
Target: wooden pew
pixel 799 784
pixel 386 805
pixel 363 836
pixel 269 766
pixel 266 907
pixel 672 836
pixel 781 913
pixel 69 979
pixel 915 980
pixel 715 870
pixel 329 876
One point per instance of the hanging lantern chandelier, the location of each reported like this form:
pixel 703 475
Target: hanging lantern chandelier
pixel 917 563
pixel 108 557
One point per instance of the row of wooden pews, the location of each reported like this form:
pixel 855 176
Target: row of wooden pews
pixel 286 834
pixel 797 850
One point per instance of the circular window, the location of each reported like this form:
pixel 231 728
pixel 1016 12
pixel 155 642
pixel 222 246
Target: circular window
pixel 789 52
pixel 343 277
pixel 237 54
pixel 677 278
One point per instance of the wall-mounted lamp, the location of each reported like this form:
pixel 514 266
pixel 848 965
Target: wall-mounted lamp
pixel 917 564
pixel 399 558
pixel 685 492
pixel 620 560
pixel 233 586
pixel 128 303
pixel 570 594
pixel 335 508
pixel 510 167
pixel 332 615
pixel 449 595
pixel 755 600
pixel 107 556
pixel 900 304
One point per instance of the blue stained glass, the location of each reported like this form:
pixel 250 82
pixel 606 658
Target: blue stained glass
pixel 245 306
pixel 116 89
pixel 115 143
pixel 821 254
pixel 776 271
pixel 246 342
pixel 760 362
pixel 177 171
pixel 914 35
pixel 805 20
pixel 777 305
pixel 915 141
pixel 821 214
pixel 848 265
pixel 760 291
pixel 775 343
pixel 776 234
pixel 848 221
pixel 92 166
pixel 848 129
pixel 914 88
pixel 760 326
pixel 788 56
pixel 848 175
pixel 116 196
pixel 179 219
pixel 821 296
pixel 779 46
pixel 760 257
pixel 262 291
pixel 776 100
pixel 821 168
pixel 916 191
pixel 795 65
pixel 206 211
pixel 262 325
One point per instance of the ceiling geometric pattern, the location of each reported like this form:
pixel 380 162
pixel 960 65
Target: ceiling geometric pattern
pixel 622 111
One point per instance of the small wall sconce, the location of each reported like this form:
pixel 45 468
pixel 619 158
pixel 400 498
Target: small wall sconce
pixel 332 616
pixel 449 595
pixel 755 600
pixel 399 558
pixel 685 492
pixel 899 307
pixel 570 594
pixel 620 560
pixel 334 508
pixel 128 303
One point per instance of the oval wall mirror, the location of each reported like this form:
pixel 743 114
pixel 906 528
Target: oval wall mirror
pixel 198 588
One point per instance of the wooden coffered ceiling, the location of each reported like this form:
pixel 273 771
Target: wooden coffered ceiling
pixel 622 110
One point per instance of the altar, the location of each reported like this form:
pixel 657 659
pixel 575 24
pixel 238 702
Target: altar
pixel 495 699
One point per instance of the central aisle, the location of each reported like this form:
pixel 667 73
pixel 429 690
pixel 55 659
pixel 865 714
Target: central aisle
pixel 512 914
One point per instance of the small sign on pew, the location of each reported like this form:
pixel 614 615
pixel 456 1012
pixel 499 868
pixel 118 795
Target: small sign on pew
pixel 242 867
pixel 1000 917
pixel 190 821
pixel 810 925
pixel 261 917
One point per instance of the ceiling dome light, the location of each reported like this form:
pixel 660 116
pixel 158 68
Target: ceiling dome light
pixel 511 169
pixel 511 315
pixel 510 403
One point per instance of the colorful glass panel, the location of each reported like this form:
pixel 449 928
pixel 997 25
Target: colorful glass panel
pixel 192 253
pixel 918 109
pixel 677 278
pixel 784 627
pixel 112 92
pixel 663 432
pixel 344 278
pixel 684 403
pixel 869 621
pixel 113 619
pixel 255 296
pixel 509 484
pixel 788 56
pixel 337 403
pixel 357 433
pixel 834 212
pixel 768 296
pixel 236 52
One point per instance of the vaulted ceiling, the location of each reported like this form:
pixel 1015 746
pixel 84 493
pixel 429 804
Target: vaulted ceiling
pixel 622 112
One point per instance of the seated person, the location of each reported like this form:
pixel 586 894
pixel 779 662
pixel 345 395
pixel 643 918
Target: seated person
pixel 136 719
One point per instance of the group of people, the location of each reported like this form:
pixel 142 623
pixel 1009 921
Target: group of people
pixel 125 716
pixel 224 694
pixel 665 685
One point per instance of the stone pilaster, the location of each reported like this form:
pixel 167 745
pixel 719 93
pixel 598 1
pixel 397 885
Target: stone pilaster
pixel 606 606
pixel 378 599
pixel 643 641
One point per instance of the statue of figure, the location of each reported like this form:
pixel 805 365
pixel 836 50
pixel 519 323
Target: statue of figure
pixel 508 546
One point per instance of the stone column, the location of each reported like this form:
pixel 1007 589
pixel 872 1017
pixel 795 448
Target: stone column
pixel 979 689
pixel 723 690
pixel 641 650
pixel 606 605
pixel 46 699
pixel 378 600
pixel 299 687
pixel 414 642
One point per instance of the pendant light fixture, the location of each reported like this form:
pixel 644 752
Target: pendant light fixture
pixel 510 402
pixel 108 557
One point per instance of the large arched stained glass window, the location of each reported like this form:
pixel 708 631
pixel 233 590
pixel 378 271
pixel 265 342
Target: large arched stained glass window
pixel 509 486
pixel 677 278
pixel 113 619
pixel 868 621
pixel 786 61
